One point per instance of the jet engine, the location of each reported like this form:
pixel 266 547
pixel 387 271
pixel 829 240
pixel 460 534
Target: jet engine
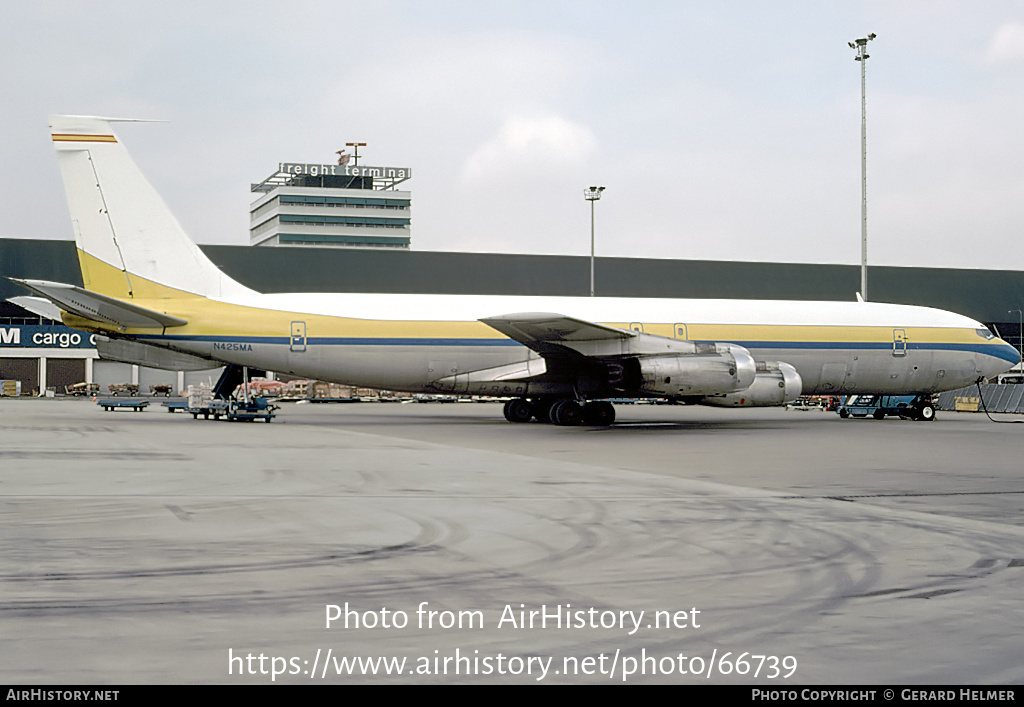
pixel 713 369
pixel 775 383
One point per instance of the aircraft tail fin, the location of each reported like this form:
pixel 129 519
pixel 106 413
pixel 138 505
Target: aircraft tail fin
pixel 130 245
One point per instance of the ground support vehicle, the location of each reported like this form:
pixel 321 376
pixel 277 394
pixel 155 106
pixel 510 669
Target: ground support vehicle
pixel 907 407
pixel 250 410
pixel 211 408
pixel 231 410
pixel 160 389
pixel 130 389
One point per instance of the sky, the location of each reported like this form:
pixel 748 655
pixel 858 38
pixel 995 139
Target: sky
pixel 721 130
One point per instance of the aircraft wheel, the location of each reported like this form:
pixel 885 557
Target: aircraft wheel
pixel 926 413
pixel 518 410
pixel 567 413
pixel 542 409
pixel 551 412
pixel 599 414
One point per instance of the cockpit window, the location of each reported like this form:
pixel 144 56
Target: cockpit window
pixel 984 333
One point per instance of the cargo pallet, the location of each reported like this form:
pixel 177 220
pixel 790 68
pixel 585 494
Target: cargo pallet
pixel 110 405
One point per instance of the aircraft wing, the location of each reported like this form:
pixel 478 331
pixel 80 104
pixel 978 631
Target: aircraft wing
pixel 562 345
pixel 100 308
pixel 552 334
pixel 557 336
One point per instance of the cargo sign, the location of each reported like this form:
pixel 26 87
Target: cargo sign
pixel 45 337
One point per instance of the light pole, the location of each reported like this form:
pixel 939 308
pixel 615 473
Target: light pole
pixel 356 146
pixel 861 45
pixel 1020 337
pixel 592 194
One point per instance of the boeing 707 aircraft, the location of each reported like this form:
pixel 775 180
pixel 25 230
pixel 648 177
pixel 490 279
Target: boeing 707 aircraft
pixel 162 303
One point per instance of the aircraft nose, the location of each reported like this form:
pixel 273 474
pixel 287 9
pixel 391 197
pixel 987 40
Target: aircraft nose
pixel 1002 358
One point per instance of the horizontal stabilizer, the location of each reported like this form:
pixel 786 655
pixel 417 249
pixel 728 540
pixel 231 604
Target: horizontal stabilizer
pixel 100 308
pixel 37 305
pixel 141 354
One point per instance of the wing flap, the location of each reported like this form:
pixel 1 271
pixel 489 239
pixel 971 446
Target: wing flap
pixel 100 308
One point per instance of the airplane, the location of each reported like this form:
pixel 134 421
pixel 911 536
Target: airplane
pixel 157 300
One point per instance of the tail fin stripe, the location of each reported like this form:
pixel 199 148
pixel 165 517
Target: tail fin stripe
pixel 84 138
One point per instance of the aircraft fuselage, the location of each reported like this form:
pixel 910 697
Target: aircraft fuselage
pixel 431 343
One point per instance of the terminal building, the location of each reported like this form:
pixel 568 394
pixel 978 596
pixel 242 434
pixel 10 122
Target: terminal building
pixel 332 206
pixel 42 354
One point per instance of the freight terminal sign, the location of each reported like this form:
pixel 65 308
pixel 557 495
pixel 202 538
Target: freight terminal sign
pixel 344 170
pixel 45 337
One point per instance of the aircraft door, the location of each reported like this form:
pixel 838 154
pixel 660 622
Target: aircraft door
pixel 636 326
pixel 679 331
pixel 899 342
pixel 297 340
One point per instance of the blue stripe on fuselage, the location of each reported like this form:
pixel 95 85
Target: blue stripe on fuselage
pixel 1000 351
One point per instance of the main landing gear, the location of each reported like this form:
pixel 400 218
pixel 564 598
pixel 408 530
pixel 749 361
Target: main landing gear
pixel 566 412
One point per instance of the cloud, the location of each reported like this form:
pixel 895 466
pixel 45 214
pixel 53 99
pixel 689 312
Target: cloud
pixel 523 142
pixel 1007 46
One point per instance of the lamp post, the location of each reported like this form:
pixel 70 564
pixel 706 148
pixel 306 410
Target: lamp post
pixel 861 45
pixel 592 194
pixel 1020 337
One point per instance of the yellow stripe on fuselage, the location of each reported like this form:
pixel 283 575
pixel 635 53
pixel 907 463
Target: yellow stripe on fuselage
pixel 768 333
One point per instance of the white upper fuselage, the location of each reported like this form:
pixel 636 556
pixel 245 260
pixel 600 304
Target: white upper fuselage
pixel 427 307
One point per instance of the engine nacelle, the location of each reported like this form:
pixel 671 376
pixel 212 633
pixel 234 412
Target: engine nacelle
pixel 713 369
pixel 776 383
